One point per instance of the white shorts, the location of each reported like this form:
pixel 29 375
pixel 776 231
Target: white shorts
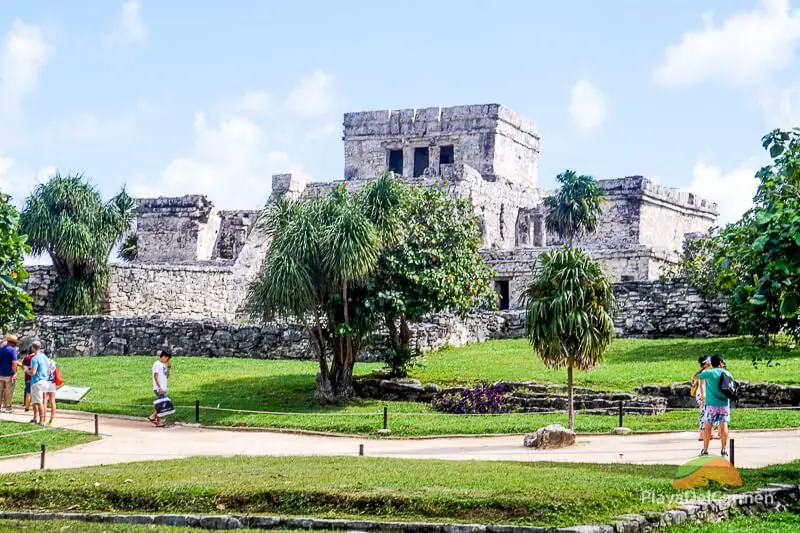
pixel 37 391
pixel 51 387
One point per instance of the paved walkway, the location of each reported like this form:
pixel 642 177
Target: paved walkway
pixel 133 440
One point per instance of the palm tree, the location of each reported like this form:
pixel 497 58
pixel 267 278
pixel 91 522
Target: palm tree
pixel 67 219
pixel 320 255
pixel 570 305
pixel 574 210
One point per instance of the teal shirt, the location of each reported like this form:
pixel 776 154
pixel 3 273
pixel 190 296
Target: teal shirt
pixel 39 362
pixel 714 396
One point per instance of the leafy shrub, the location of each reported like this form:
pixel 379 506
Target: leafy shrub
pixel 482 399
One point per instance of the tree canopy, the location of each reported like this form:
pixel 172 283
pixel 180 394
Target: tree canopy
pixel 15 302
pixel 575 208
pixel 755 262
pixel 433 266
pixel 67 219
pixel 343 264
pixel 570 306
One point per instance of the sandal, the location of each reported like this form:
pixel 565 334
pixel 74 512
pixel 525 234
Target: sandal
pixel 160 424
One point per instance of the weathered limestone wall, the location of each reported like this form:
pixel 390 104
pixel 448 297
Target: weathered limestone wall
pixel 639 212
pixel 489 138
pixel 175 230
pixel 621 265
pixel 663 309
pixel 180 291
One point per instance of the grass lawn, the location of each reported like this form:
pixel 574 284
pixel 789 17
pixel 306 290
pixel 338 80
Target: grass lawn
pixel 768 523
pixel 628 364
pixel 121 385
pixel 32 439
pixel 72 526
pixel 388 489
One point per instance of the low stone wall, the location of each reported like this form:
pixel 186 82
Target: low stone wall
pixel 667 309
pixel 750 394
pixel 106 335
pixel 527 397
pixel 645 309
pixel 775 497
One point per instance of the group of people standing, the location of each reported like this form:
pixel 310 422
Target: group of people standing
pixel 708 386
pixel 41 376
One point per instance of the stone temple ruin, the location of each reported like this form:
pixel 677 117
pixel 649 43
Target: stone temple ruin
pixel 194 261
pixel 485 152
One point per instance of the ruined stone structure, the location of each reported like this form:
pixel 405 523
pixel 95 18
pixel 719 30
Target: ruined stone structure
pixel 195 262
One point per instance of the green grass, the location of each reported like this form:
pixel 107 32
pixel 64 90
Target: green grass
pixel 768 523
pixel 121 385
pixel 389 489
pixel 628 364
pixel 33 438
pixel 73 526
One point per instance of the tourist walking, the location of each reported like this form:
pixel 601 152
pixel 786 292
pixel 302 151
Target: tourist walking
pixel 160 374
pixel 8 371
pixel 26 364
pixel 50 392
pixel 39 385
pixel 717 403
pixel 699 391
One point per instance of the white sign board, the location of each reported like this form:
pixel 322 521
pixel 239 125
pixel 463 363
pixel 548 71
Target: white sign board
pixel 71 394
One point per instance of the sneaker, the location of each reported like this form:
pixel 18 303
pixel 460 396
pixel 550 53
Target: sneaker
pixel 724 453
pixel 32 421
pixel 703 452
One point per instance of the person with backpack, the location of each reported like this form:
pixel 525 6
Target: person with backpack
pixel 720 390
pixel 698 390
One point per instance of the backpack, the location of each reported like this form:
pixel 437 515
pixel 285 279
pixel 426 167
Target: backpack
pixel 728 386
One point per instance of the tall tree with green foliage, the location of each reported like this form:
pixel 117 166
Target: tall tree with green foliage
pixel 570 307
pixel 320 257
pixel 15 302
pixel 67 219
pixel 575 209
pixel 755 262
pixel 434 266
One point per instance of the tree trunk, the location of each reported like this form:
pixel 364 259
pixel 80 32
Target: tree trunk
pixel 570 406
pixel 341 374
pixel 324 387
pixel 394 336
pixel 405 331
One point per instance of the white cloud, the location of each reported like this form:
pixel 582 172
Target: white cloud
pixel 313 96
pixel 742 49
pixel 231 164
pixel 130 28
pixel 733 190
pixel 23 54
pixel 782 107
pixel 256 103
pixel 587 107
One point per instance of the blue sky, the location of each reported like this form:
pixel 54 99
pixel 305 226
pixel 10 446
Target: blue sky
pixel 179 97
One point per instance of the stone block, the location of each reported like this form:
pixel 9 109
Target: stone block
pixel 548 437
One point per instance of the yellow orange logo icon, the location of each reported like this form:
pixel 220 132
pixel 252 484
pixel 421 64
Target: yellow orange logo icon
pixel 700 470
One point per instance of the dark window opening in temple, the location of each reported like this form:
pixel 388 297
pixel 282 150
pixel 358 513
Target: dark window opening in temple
pixel 396 161
pixel 447 155
pixel 501 287
pixel 420 161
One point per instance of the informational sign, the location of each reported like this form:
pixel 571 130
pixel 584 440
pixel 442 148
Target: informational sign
pixel 71 394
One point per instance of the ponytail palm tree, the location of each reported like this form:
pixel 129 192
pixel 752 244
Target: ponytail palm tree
pixel 574 210
pixel 570 305
pixel 67 219
pixel 320 256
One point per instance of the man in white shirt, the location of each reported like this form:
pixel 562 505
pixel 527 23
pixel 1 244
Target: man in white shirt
pixel 160 374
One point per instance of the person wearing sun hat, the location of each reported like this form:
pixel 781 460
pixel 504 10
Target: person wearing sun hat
pixel 8 371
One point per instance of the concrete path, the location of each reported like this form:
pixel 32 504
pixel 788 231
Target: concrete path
pixel 133 440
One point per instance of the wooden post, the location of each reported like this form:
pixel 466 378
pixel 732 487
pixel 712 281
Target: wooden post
pixel 361 450
pixel 197 411
pixel 621 413
pixel 96 425
pixel 41 462
pixel 733 450
pixel 385 418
